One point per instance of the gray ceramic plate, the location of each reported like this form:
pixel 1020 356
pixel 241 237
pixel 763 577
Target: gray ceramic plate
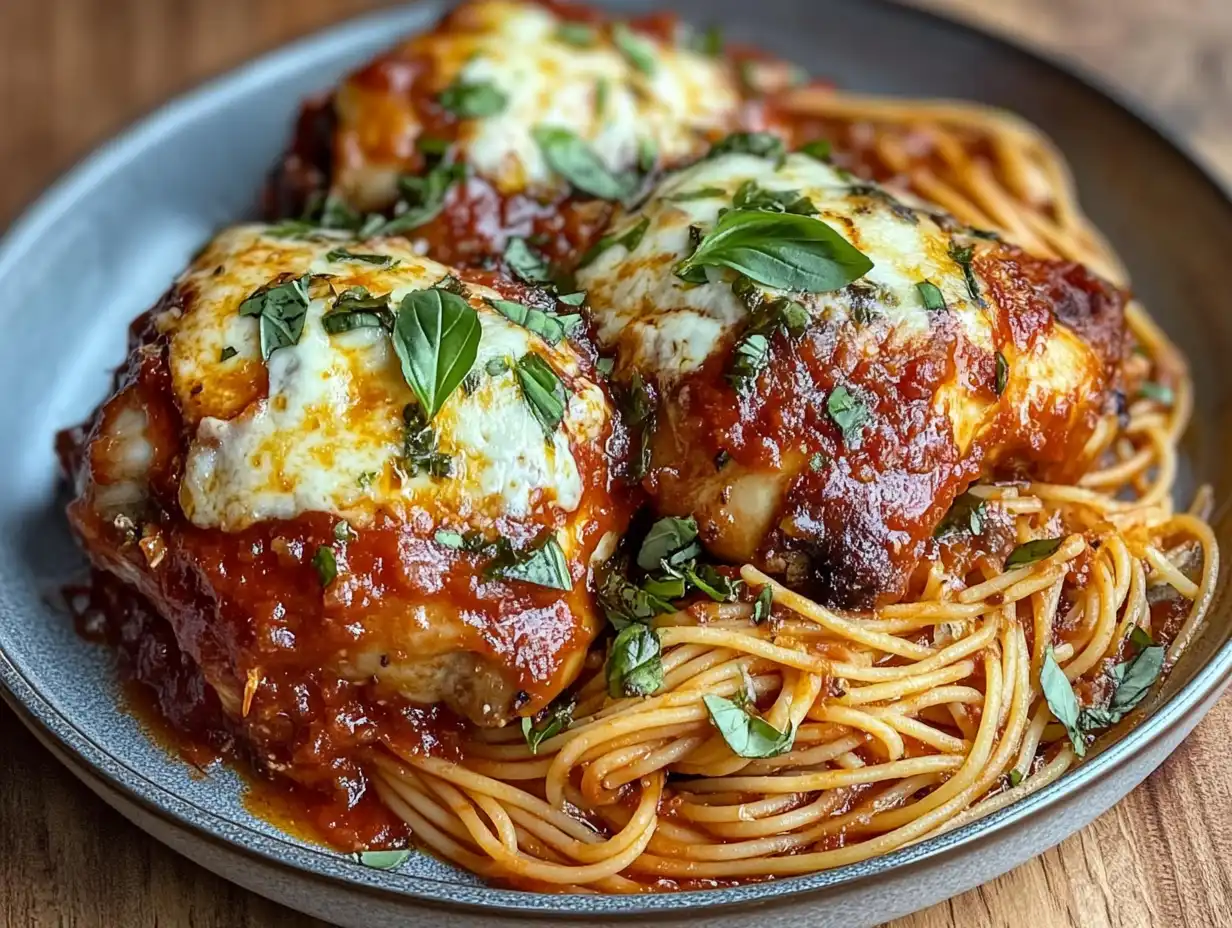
pixel 112 234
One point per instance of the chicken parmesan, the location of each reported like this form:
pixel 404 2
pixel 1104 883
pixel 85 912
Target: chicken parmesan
pixel 834 364
pixel 599 479
pixel 337 467
pixel 511 118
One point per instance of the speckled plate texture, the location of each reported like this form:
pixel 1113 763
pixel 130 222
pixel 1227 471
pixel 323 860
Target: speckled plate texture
pixel 102 244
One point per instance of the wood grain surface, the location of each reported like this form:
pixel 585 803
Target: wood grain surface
pixel 72 72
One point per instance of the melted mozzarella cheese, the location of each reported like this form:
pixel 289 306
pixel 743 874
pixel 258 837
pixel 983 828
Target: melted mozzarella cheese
pixel 669 327
pixel 327 434
pixel 591 89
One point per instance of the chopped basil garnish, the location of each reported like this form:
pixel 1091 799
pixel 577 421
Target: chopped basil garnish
pixel 706 579
pixel 637 51
pixel 419 446
pixel 473 99
pixel 422 200
pixel 543 565
pixel 546 325
pixel 436 337
pixel 341 254
pixel 548 723
pixel 761 144
pixel 818 149
pixel 1061 700
pixel 634 665
pixel 670 539
pixel 752 196
pixel 1002 375
pixel 630 238
pixel 280 307
pixel 1158 392
pixel 966 516
pixel 625 603
pixel 227 354
pixel 343 532
pixel 930 296
pixel 450 539
pixel 749 359
pixel 722 459
pixel 639 412
pixel 543 391
pixel 382 860
pixel 1015 777
pixel 356 308
pixel 752 348
pixel 746 734
pixel 526 263
pixel 579 35
pixel 365 479
pixel 702 193
pixel 1031 551
pixel 849 413
pixel 573 159
pixel 962 256
pixel 708 42
pixel 576 298
pixel 762 604
pixel 1133 679
pixel 432 147
pixel 326 564
pixel 780 250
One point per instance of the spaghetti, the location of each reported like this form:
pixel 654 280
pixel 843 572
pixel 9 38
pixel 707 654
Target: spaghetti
pixel 908 721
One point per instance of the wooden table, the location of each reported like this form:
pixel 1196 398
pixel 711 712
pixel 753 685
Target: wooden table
pixel 72 72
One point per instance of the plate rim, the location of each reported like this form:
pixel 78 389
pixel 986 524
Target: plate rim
pixel 37 712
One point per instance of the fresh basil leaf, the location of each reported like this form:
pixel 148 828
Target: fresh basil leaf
pixel 763 604
pixel 526 263
pixel 818 150
pixel 630 239
pixel 341 254
pixel 280 307
pixel 545 325
pixel 962 256
pixel 422 200
pixel 625 603
pixel 747 735
pixel 931 296
pixel 473 99
pixel 639 52
pixel 1160 393
pixel 431 146
pixel 780 250
pixel 548 723
pixel 420 453
pixel 702 193
pixel 666 539
pixel 752 196
pixel 1134 679
pixel 336 213
pixel 227 354
pixel 543 391
pixel 708 580
pixel 382 860
pixel 356 308
pixel 572 299
pixel 966 516
pixel 849 413
pixel 708 42
pixel 760 144
pixel 436 337
pixel 1031 551
pixel 666 588
pixel 749 359
pixel 574 160
pixel 1062 701
pixel 634 664
pixel 543 565
pixel 326 564
pixel 336 323
pixel 579 35
pixel 1002 376
pixel 450 539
